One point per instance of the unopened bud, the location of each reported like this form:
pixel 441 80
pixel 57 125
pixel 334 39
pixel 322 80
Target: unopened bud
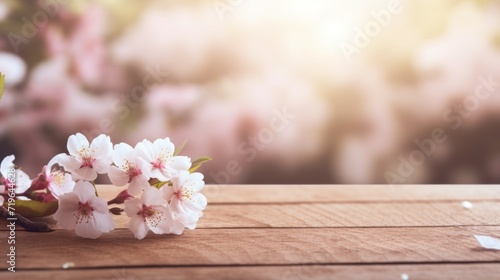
pixel 120 198
pixel 116 211
pixel 40 183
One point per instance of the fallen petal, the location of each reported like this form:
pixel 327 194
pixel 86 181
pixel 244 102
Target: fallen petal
pixel 467 204
pixel 488 242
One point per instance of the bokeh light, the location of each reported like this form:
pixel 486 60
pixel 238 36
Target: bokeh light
pixel 379 91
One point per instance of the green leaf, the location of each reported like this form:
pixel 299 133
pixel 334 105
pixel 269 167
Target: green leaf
pixel 161 184
pixel 197 163
pixel 157 183
pixel 179 149
pixel 2 85
pixel 153 182
pixel 34 209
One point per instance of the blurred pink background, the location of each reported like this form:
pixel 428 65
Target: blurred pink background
pixel 274 91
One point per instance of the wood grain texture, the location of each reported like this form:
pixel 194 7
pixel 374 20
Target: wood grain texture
pixel 338 215
pixel 313 272
pixel 350 215
pixel 289 233
pixel 255 247
pixel 245 194
pixel 337 193
pixel 347 193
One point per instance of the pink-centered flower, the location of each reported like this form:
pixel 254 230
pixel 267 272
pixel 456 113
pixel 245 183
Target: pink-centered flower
pixel 129 169
pixel 150 212
pixel 160 155
pixel 84 212
pixel 11 176
pixel 86 160
pixel 186 201
pixel 58 182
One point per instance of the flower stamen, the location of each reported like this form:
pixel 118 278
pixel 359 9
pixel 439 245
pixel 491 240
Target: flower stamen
pixel 84 212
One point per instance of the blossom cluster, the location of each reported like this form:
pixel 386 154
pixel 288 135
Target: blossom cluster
pixel 163 193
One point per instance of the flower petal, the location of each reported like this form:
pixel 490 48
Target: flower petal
pixel 488 242
pixel 121 152
pixel 199 202
pixel 138 226
pixel 144 166
pixel 137 184
pixel 189 220
pixel 163 146
pixel 133 206
pixel 168 192
pixel 177 206
pixel 195 182
pixel 117 176
pixel 7 163
pixel 104 221
pixel 177 228
pixel 182 178
pixel 102 166
pixel 103 148
pixel 84 190
pixel 88 228
pixel 76 143
pixel 23 182
pixel 54 160
pixel 70 163
pixel 161 221
pixel 181 163
pixel 99 205
pixel 68 205
pixel 60 187
pixel 153 196
pixel 161 174
pixel 182 213
pixel 144 150
pixel 85 173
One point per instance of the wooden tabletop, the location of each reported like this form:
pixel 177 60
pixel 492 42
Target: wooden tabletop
pixel 288 233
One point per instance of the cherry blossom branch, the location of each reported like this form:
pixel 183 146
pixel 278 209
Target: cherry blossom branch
pixel 25 223
pixel 169 188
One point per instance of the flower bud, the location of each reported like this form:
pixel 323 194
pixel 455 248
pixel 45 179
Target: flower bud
pixel 120 198
pixel 116 211
pixel 40 183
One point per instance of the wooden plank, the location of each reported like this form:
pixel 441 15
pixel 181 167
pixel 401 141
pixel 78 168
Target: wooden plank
pixel 319 272
pixel 349 193
pixel 338 193
pixel 338 215
pixel 254 247
pixel 241 194
pixel 349 215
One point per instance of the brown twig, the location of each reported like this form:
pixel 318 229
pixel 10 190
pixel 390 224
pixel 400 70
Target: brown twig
pixel 25 223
